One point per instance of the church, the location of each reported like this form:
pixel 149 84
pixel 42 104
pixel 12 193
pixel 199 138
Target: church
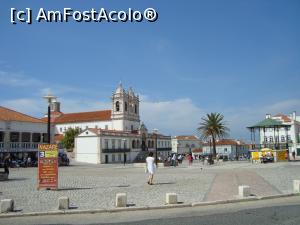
pixel 111 136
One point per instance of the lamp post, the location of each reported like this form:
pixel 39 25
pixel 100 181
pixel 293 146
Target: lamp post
pixel 49 99
pixel 155 132
pixel 124 154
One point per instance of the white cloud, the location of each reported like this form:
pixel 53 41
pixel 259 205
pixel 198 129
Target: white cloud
pixel 179 116
pixel 27 106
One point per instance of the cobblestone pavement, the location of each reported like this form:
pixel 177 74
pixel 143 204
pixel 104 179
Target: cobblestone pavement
pixel 95 186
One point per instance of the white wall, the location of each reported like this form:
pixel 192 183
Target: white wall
pixel 87 149
pixel 83 126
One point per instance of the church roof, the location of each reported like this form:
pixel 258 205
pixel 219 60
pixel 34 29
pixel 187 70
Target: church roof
pixel 103 115
pixel 11 115
pixel 194 138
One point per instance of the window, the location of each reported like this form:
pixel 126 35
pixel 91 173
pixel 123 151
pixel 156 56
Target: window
pixel 266 139
pixel 282 138
pixel 113 143
pixel 119 144
pixel 289 137
pixel 96 126
pixel 135 109
pixel 133 144
pixel 60 129
pixel 126 106
pixel 271 139
pixel 113 158
pixel 131 127
pixel 225 149
pixel 26 137
pixel 119 157
pixel 149 144
pixel 138 144
pixel 106 127
pixel 125 144
pixel 106 144
pixel 117 106
pixel 86 127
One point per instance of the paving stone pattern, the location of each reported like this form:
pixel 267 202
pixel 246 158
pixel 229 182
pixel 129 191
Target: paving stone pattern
pixel 95 186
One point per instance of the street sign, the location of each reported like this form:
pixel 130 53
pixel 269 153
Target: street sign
pixel 48 166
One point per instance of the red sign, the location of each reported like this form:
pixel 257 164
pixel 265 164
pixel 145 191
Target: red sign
pixel 48 166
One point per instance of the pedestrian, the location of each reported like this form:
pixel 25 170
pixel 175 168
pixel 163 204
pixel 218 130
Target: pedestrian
pixel 174 160
pixel 190 159
pixel 294 154
pixel 6 164
pixel 151 167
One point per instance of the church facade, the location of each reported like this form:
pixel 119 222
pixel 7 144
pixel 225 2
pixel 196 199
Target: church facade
pixel 111 136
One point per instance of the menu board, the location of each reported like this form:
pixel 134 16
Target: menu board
pixel 48 166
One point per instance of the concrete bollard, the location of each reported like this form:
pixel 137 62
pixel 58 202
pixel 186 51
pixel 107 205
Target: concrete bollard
pixel 171 198
pixel 63 203
pixel 121 200
pixel 296 184
pixel 6 205
pixel 244 191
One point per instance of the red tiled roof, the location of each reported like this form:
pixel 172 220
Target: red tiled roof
pixel 187 138
pixel 11 115
pixel 99 131
pixel 58 137
pixel 283 117
pixel 197 150
pixel 104 115
pixel 225 142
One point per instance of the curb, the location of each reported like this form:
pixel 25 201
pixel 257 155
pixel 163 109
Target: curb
pixel 127 209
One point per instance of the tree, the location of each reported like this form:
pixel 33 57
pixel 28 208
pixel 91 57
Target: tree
pixel 213 127
pixel 69 137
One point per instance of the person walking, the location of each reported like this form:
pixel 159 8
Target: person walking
pixel 6 164
pixel 151 167
pixel 174 160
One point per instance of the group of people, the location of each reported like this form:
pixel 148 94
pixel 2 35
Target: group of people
pixel 151 164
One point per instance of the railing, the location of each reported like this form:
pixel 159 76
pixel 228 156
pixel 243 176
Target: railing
pixel 19 146
pixel 116 150
pixel 271 145
pixel 164 149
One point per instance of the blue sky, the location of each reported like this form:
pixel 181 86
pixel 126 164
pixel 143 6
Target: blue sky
pixel 240 58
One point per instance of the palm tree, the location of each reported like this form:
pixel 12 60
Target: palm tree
pixel 213 127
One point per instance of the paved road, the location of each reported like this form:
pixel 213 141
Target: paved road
pixel 95 186
pixel 283 211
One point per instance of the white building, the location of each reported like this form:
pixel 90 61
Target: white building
pixel 185 144
pixel 20 134
pixel 109 136
pixel 227 147
pixel 123 116
pixel 279 131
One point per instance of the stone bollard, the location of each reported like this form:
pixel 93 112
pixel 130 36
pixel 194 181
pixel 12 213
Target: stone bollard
pixel 121 200
pixel 171 198
pixel 6 205
pixel 244 191
pixel 63 203
pixel 296 186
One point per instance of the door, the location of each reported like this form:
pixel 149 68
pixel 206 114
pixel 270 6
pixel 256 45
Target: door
pixel 106 159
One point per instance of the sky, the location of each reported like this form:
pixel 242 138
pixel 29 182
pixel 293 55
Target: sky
pixel 239 58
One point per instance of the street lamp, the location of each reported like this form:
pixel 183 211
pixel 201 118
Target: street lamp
pixel 124 154
pixel 49 98
pixel 155 132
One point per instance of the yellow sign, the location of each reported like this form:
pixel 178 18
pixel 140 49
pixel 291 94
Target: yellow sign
pixel 51 154
pixel 255 155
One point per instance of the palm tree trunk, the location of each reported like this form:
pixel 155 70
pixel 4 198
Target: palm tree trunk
pixel 214 146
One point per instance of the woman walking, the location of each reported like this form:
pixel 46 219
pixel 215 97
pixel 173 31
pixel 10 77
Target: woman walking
pixel 150 164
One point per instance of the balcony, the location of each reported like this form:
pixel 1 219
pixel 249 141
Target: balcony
pixel 19 146
pixel 272 145
pixel 164 149
pixel 116 150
